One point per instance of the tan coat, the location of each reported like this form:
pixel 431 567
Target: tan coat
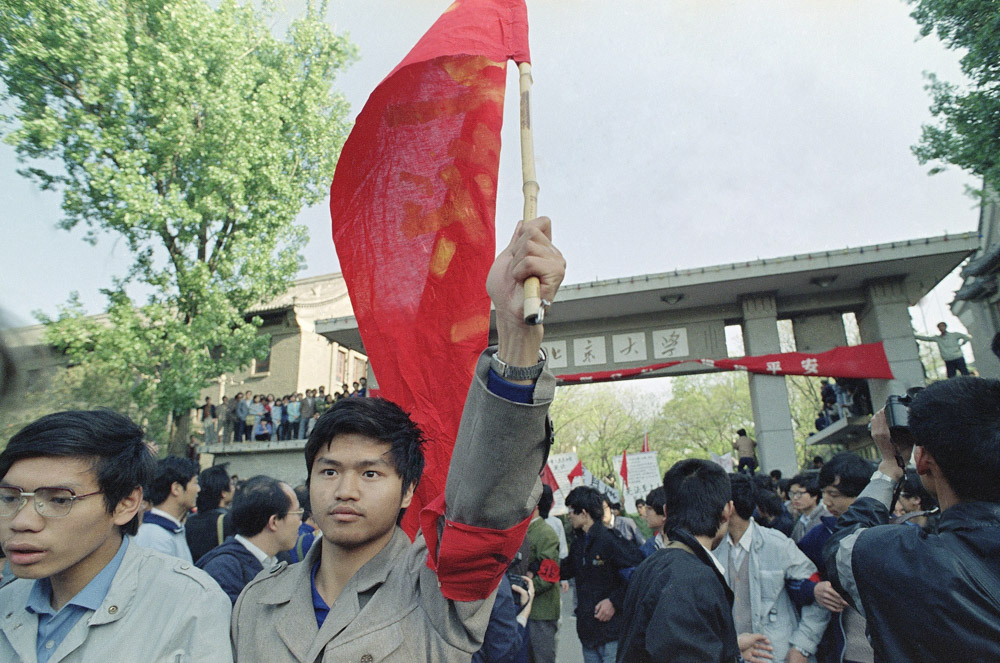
pixel 392 609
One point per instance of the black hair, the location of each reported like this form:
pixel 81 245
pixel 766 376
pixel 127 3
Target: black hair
pixel 808 483
pixel 742 432
pixel 302 494
pixel 776 475
pixel 957 422
pixel 656 499
pixel 697 492
pixel 854 471
pixel 213 481
pixel 768 503
pixel 606 500
pixel 170 470
pixel 261 498
pixel 545 501
pixel 914 487
pixel 640 502
pixel 783 485
pixel 586 499
pixel 122 461
pixel 380 420
pixel 743 495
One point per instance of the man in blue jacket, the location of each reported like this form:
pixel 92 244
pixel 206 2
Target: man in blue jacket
pixel 930 597
pixel 266 516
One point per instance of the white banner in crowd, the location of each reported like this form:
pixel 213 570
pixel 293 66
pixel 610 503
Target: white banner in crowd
pixel 643 476
pixel 561 465
pixel 725 461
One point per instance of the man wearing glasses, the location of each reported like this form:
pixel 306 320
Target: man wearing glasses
pixel 70 490
pixel 267 517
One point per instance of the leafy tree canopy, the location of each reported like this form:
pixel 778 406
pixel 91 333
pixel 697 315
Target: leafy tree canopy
pixel 196 135
pixel 967 134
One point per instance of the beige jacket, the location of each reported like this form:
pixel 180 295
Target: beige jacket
pixel 159 609
pixel 392 609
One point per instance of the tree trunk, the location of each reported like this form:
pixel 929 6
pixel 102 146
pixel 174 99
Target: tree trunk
pixel 180 430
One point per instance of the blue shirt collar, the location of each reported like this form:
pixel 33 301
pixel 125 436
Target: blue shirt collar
pixel 89 598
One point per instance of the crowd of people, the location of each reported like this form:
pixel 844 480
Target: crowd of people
pixel 258 417
pixel 112 554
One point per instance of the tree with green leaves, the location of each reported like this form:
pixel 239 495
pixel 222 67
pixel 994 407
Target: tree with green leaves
pixel 967 134
pixel 191 131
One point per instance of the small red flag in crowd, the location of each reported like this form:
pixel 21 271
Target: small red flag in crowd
pixel 549 479
pixel 413 203
pixel 645 441
pixel 577 471
pixel 624 471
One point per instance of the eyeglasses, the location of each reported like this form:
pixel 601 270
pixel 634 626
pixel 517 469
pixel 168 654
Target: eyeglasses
pixel 297 512
pixel 49 502
pixel 797 493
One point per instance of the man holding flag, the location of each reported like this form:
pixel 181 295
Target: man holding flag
pixel 364 592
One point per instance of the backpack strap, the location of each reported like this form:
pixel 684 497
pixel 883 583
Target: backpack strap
pixel 218 528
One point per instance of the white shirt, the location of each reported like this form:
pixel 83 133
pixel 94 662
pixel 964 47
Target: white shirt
pixel 265 560
pixel 166 515
pixel 557 525
pixel 738 550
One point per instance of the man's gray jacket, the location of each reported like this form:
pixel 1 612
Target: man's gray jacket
pixel 159 608
pixel 393 608
pixel 774 561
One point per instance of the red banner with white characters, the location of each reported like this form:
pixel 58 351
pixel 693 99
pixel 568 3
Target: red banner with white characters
pixel 848 361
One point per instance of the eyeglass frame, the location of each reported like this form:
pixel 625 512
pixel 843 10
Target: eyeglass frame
pixel 24 495
pixel 296 512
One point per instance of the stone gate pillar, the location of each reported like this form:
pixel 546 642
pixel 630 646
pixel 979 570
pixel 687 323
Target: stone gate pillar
pixel 768 393
pixel 886 318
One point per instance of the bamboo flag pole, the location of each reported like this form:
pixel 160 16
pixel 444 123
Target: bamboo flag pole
pixel 534 312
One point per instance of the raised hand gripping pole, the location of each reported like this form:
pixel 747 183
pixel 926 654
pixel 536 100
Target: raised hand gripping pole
pixel 534 312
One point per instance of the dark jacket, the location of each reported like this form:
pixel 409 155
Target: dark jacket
pixel 678 608
pixel 232 566
pixel 202 531
pixel 595 559
pixel 504 636
pixel 927 597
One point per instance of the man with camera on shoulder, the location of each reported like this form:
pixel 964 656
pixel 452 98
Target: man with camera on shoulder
pixel 930 597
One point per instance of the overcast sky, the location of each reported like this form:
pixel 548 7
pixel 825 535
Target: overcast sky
pixel 668 134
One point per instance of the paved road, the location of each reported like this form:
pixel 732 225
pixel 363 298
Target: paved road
pixel 568 647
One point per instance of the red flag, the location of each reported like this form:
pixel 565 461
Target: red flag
pixel 855 361
pixel 549 479
pixel 577 471
pixel 413 202
pixel 645 441
pixel 624 471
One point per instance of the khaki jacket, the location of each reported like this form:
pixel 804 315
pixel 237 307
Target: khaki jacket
pixel 392 609
pixel 158 609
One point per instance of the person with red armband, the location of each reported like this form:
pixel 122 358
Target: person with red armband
pixel 364 592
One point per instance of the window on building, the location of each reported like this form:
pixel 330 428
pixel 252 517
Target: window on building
pixel 341 367
pixel 360 368
pixel 262 365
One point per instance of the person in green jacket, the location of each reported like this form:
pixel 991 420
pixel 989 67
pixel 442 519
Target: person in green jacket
pixel 543 565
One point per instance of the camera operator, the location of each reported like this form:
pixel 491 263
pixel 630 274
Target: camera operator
pixel 954 430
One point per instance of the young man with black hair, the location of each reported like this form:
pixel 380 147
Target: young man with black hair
pixel 678 606
pixel 543 565
pixel 545 503
pixel 70 493
pixel 364 592
pixel 212 524
pixel 805 496
pixel 597 555
pixel 916 506
pixel 621 524
pixel 950 578
pixel 173 492
pixel 841 480
pixel 266 516
pixel 764 568
pixel 655 517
